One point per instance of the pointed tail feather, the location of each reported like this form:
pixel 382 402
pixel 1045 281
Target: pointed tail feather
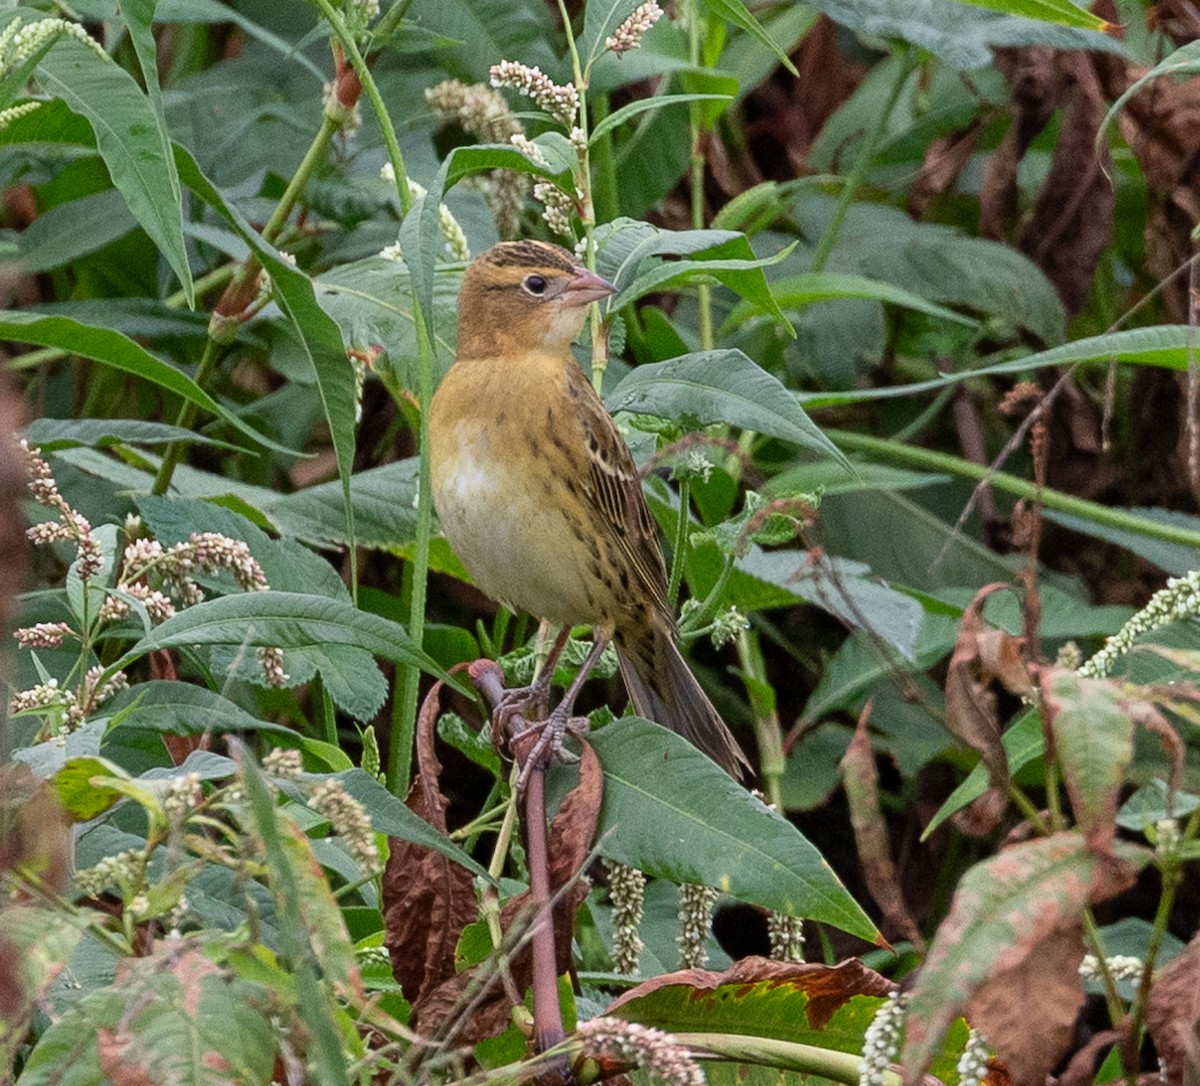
pixel 662 688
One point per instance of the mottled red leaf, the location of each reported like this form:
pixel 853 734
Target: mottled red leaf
pixel 1008 913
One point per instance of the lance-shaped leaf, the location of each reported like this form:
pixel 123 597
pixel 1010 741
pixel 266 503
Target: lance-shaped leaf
pixel 130 138
pixel 1093 744
pixel 671 811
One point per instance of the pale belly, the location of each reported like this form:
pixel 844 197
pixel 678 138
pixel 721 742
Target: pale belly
pixel 515 543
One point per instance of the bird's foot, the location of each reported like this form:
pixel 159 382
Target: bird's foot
pixel 540 742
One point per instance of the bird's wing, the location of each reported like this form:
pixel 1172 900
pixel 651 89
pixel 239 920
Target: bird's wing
pixel 614 488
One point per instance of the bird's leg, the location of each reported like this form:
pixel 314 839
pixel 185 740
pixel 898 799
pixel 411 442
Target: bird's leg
pixel 524 698
pixel 554 727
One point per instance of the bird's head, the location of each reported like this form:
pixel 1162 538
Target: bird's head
pixel 524 295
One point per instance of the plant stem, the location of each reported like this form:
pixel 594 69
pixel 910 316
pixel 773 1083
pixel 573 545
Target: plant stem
pixel 249 270
pixel 696 181
pixel 1112 998
pixel 604 196
pixel 767 730
pixel 1172 876
pixel 587 208
pixel 862 163
pixel 404 713
pixel 680 543
pixel 1054 500
pixel 185 419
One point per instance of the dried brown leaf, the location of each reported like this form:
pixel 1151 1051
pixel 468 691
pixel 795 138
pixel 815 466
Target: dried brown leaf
pixel 34 835
pixel 944 161
pixel 1032 80
pixel 970 703
pixel 1161 125
pixel 12 489
pixel 1070 223
pixel 427 898
pixel 1031 1031
pixel 569 846
pixel 1173 1016
pixel 827 987
pixel 870 833
pixel 122 1059
pixel 1072 220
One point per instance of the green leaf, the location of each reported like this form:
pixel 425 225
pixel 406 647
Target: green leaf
pixel 962 36
pixel 1174 558
pixel 39 943
pixel 138 16
pixel 372 302
pixel 797 291
pixel 643 105
pixel 210 11
pixel 176 1018
pixel 89 786
pixel 811 1011
pixel 285 620
pixel 735 12
pixel 600 19
pixel 1093 745
pixel 708 81
pixel 934 261
pixel 1153 802
pixel 1023 742
pixel 478 158
pixel 1062 12
pixel 750 64
pixel 183 709
pixel 721 255
pixel 844 588
pixel 312 934
pixel 670 811
pixel 722 386
pixel 493 30
pixel 316 330
pixel 130 139
pixel 389 815
pixel 74 229
pixel 122 353
pixel 385 513
pixel 51 434
pixel 861 661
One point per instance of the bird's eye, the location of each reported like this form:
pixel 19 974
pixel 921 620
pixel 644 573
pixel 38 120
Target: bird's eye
pixel 535 284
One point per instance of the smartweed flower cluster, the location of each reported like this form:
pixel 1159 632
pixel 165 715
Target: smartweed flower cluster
pixel 152 582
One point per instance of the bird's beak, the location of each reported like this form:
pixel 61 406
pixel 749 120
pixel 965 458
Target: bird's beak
pixel 586 287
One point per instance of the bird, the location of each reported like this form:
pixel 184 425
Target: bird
pixel 538 494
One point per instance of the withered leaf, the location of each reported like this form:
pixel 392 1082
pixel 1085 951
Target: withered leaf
pixel 971 712
pixel 714 1000
pixel 569 845
pixel 870 833
pixel 1173 1014
pixel 427 898
pixel 1008 914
